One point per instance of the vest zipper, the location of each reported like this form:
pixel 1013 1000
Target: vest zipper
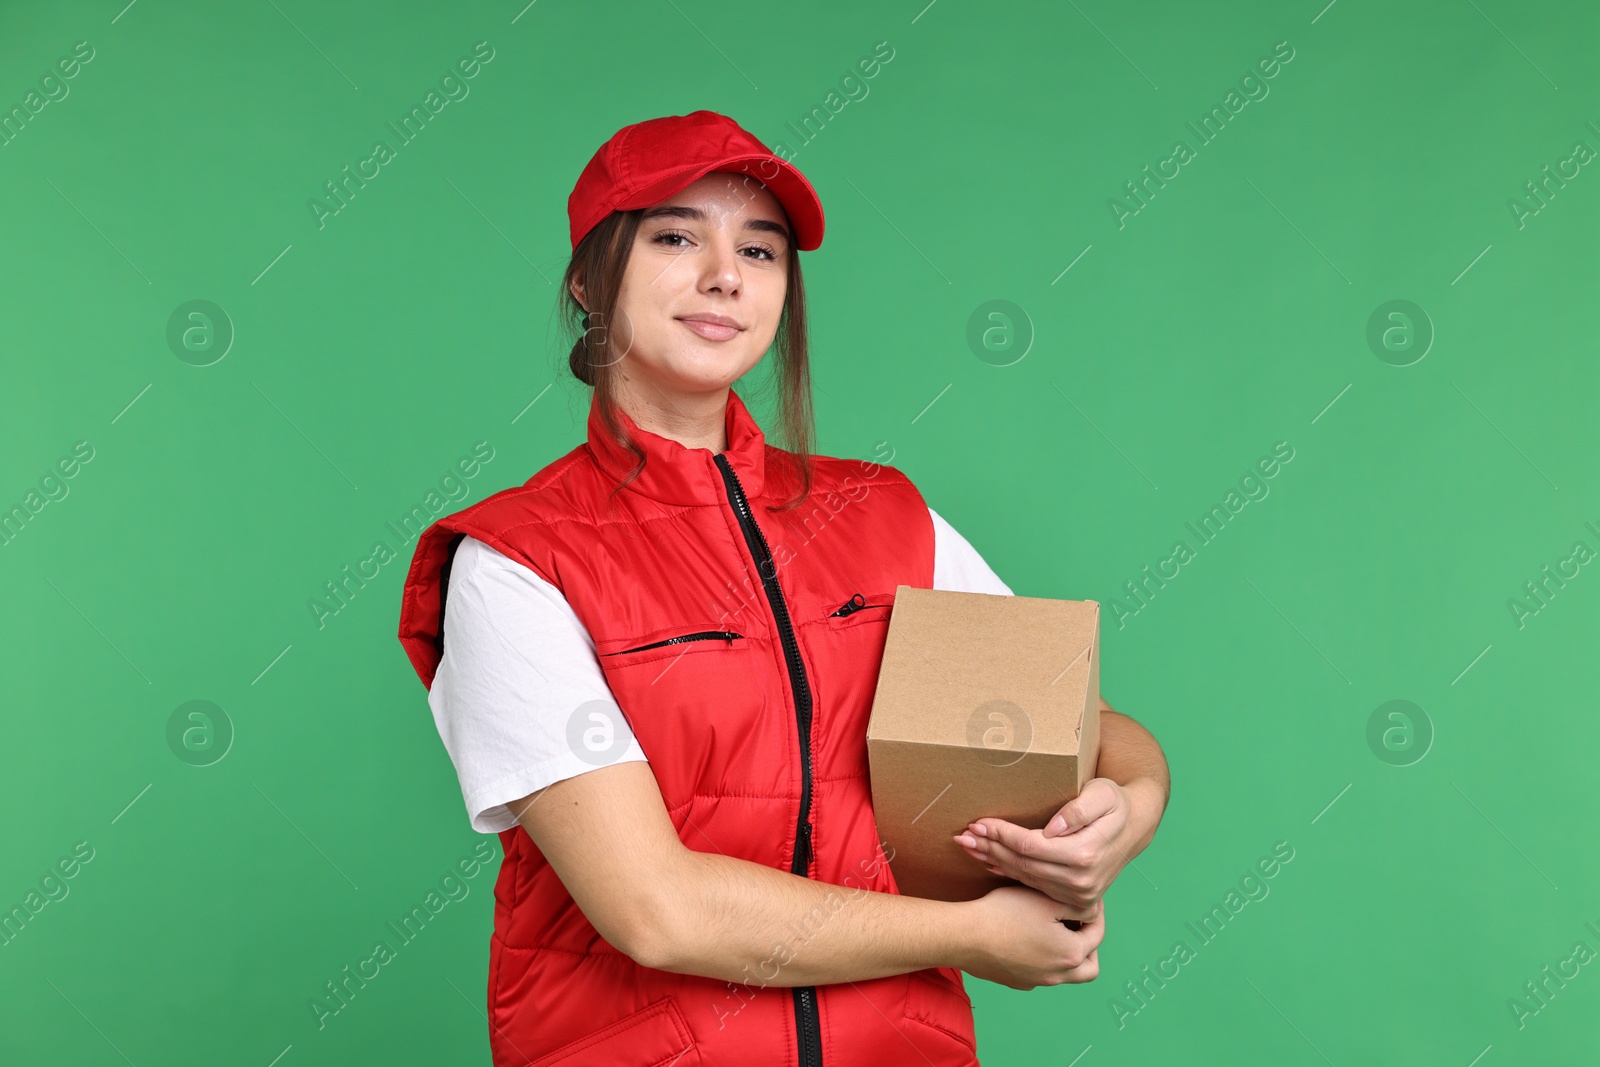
pixel 703 635
pixel 805 997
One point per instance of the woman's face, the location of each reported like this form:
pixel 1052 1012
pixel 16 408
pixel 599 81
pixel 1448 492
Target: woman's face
pixel 704 286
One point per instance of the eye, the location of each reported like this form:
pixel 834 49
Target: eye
pixel 666 238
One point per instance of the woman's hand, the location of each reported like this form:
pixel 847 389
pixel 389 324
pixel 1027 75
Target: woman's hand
pixel 1074 859
pixel 1024 943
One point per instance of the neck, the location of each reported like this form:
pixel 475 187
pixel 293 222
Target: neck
pixel 694 420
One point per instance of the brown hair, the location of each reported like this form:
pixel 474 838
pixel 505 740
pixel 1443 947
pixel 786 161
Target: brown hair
pixel 598 264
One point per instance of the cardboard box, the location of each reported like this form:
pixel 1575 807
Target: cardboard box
pixel 986 706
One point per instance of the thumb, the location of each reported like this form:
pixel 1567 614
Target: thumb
pixel 1095 800
pixel 1068 819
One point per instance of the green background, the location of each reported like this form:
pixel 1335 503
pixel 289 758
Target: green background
pixel 1229 314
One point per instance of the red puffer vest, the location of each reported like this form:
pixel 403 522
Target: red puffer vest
pixel 758 741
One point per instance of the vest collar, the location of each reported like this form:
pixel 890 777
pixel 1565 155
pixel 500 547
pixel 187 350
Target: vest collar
pixel 677 475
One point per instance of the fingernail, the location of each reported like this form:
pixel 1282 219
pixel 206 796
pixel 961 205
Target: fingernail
pixel 1056 826
pixel 978 829
pixel 967 840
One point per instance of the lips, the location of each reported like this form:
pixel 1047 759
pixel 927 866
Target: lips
pixel 716 328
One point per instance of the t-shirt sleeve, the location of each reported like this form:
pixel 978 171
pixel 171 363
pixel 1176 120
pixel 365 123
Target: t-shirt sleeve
pixel 957 566
pixel 519 697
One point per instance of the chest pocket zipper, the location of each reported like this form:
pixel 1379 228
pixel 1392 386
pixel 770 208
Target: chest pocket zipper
pixel 855 604
pixel 702 635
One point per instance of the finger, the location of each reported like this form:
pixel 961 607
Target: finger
pixel 1028 851
pixel 1088 970
pixel 995 830
pixel 1018 840
pixel 976 853
pixel 1021 864
pixel 980 849
pixel 1096 799
pixel 1094 932
pixel 1091 914
pixel 1083 916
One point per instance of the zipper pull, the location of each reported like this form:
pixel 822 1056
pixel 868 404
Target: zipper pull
pixel 855 602
pixel 804 842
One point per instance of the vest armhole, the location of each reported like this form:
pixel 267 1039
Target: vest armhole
pixel 444 585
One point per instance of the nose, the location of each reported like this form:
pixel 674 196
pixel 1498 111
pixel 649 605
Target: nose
pixel 721 267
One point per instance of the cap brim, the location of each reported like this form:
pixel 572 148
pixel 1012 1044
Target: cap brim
pixel 800 201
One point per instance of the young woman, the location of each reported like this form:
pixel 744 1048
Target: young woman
pixel 652 666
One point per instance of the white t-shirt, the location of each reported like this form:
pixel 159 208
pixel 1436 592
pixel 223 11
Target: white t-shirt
pixel 517 662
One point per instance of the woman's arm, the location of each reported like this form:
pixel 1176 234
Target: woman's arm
pixel 609 838
pixel 1131 757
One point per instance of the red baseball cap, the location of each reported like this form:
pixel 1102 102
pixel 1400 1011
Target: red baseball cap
pixel 648 162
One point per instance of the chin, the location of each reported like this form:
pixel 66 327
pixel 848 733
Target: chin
pixel 706 383
pixel 703 371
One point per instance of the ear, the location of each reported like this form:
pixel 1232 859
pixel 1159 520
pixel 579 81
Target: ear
pixel 577 293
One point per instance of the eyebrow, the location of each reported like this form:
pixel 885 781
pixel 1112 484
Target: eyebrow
pixel 694 214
